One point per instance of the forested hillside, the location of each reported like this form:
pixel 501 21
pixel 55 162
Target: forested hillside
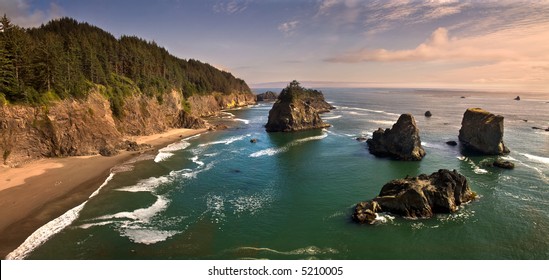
pixel 66 59
pixel 71 89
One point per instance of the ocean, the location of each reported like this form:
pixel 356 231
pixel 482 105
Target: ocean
pixel 291 195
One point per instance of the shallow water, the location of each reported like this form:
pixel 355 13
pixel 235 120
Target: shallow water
pixel 290 196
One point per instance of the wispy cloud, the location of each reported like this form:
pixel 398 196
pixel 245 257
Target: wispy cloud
pixel 21 13
pixel 231 7
pixel 288 28
pixel 378 16
pixel 437 47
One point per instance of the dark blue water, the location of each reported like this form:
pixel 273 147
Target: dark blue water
pixel 290 196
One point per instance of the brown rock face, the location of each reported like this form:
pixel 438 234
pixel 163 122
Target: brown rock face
pixel 87 127
pixel 482 131
pixel 297 109
pixel 400 142
pixel 418 197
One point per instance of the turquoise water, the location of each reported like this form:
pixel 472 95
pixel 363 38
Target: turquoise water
pixel 290 196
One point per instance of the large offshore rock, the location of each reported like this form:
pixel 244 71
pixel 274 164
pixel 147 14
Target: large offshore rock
pixel 400 142
pixel 482 131
pixel 296 109
pixel 418 197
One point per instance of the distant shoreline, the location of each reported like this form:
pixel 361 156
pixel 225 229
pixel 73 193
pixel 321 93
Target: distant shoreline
pixel 40 191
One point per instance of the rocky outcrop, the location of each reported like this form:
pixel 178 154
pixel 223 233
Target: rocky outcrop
pixel 417 197
pixel 517 98
pixel 505 164
pixel 211 105
pixel 295 110
pixel 85 127
pixel 399 142
pixel 482 131
pixel 267 96
pixel 451 143
pixel 428 114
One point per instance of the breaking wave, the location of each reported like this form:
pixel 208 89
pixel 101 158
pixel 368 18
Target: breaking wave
pixel 274 151
pixel 44 233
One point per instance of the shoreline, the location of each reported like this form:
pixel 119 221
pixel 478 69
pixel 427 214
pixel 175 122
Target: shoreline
pixel 40 191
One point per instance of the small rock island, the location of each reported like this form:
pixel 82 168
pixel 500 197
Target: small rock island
pixel 267 96
pixel 417 197
pixel 399 142
pixel 297 109
pixel 482 131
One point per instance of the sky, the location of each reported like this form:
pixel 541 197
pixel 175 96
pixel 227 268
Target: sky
pixel 461 44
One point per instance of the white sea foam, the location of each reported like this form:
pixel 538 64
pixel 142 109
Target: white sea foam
pixel 45 232
pixel 332 117
pixel 311 250
pixel 147 236
pixel 384 218
pixel 166 152
pixel 142 215
pixel 382 122
pixel 198 162
pixel 537 158
pixel 274 151
pixel 369 110
pixel 243 120
pixel 227 141
pixel 475 167
pixel 147 185
pixel 216 205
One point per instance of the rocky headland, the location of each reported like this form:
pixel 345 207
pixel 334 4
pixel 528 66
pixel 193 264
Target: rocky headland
pixel 417 197
pixel 267 96
pixel 400 142
pixel 296 109
pixel 482 132
pixel 88 126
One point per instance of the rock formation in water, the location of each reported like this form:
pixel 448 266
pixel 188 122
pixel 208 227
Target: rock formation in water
pixel 505 164
pixel 297 109
pixel 267 96
pixel 517 98
pixel 451 143
pixel 417 197
pixel 428 114
pixel 482 131
pixel 399 142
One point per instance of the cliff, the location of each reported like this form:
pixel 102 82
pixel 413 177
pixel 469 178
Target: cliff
pixel 89 103
pixel 482 131
pixel 297 109
pixel 84 127
pixel 401 142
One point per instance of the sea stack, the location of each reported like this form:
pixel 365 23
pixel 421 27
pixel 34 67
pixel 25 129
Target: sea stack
pixel 399 142
pixel 267 96
pixel 482 131
pixel 417 197
pixel 296 109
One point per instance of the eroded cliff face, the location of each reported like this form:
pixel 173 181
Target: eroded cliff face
pixel 83 127
pixel 68 128
pixel 211 105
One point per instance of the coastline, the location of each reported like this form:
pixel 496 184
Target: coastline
pixel 40 191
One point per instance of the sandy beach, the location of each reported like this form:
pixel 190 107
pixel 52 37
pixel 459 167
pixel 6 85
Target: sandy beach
pixel 34 194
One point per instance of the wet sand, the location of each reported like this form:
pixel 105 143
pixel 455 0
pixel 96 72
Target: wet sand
pixel 38 192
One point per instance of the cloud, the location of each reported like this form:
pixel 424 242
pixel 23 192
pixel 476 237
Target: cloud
pixel 437 47
pixel 231 7
pixel 21 13
pixel 288 28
